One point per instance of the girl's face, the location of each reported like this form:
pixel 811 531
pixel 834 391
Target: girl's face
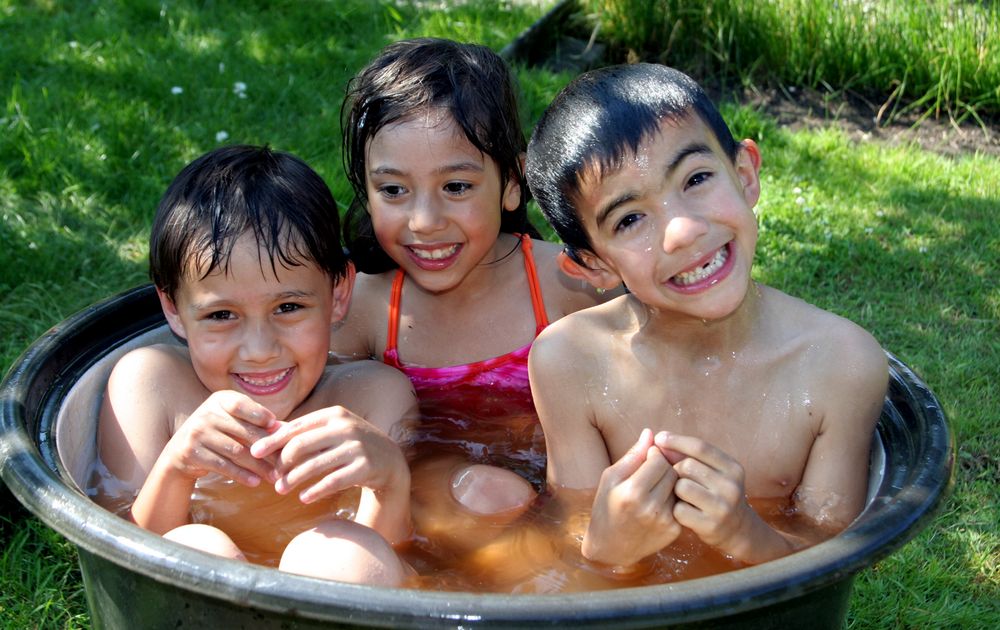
pixel 434 199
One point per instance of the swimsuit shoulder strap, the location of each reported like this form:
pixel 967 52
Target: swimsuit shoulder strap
pixel 390 354
pixel 537 303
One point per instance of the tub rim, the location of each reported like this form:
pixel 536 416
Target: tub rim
pixel 900 509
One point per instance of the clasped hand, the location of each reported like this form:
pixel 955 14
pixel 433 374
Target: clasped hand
pixel 332 448
pixel 663 483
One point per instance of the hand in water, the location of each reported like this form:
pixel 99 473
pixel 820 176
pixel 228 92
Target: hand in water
pixel 217 438
pixel 333 449
pixel 632 516
pixel 711 499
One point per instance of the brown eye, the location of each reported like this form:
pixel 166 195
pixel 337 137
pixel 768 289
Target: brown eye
pixel 627 221
pixel 457 188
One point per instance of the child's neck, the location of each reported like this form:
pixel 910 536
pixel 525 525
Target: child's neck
pixel 699 337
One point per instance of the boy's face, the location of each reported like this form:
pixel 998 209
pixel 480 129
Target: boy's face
pixel 260 332
pixel 675 222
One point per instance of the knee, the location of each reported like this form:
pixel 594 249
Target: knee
pixel 488 490
pixel 345 551
pixel 206 538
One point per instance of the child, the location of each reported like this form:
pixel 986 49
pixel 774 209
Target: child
pixel 455 288
pixel 700 387
pixel 247 264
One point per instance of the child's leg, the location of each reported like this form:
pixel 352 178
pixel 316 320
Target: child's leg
pixel 462 506
pixel 345 551
pixel 491 490
pixel 206 538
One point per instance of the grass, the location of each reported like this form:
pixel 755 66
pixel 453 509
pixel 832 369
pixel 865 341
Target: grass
pixel 903 241
pixel 934 57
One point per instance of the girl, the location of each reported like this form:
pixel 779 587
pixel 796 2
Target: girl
pixel 456 282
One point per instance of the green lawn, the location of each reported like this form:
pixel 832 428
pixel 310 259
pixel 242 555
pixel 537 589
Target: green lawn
pixel 102 103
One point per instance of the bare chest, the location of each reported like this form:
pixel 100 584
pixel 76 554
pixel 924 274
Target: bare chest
pixel 765 421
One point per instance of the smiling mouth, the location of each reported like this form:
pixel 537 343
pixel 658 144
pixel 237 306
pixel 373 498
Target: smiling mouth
pixel 687 278
pixel 263 383
pixel 439 253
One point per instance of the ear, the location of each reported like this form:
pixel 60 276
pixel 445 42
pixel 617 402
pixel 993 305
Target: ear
pixel 342 289
pixel 748 170
pixel 594 271
pixel 511 198
pixel 171 313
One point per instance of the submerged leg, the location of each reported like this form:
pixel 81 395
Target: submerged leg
pixel 345 551
pixel 206 538
pixel 489 490
pixel 463 506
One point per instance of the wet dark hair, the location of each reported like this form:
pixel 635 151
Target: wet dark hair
pixel 241 189
pixel 598 119
pixel 471 82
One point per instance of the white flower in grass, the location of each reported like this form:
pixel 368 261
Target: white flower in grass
pixel 869 230
pixel 797 190
pixel 176 90
pixel 800 200
pixel 923 249
pixel 221 136
pixel 240 89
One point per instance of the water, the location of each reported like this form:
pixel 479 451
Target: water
pixel 534 551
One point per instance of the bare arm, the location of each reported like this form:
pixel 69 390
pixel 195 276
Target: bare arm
pixel 574 446
pixel 146 392
pixel 834 484
pixel 631 515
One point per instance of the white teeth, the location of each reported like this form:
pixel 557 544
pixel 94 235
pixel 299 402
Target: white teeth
pixel 697 275
pixel 435 254
pixel 265 382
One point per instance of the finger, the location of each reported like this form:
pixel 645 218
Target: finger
pixel 655 474
pixel 337 481
pixel 661 440
pixel 322 462
pixel 243 469
pixel 626 466
pixel 280 438
pixel 242 407
pixel 689 446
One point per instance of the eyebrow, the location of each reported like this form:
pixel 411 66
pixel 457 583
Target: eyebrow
pixel 448 168
pixel 695 148
pixel 223 303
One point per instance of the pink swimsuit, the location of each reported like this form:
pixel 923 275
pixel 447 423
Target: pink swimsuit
pixel 494 393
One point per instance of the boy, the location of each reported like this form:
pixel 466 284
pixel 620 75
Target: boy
pixel 700 387
pixel 245 255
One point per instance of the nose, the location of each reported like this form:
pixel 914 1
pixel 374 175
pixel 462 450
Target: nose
pixel 681 231
pixel 425 216
pixel 260 343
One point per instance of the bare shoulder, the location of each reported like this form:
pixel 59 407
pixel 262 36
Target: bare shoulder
pixel 154 368
pixel 358 334
pixel 371 389
pixel 842 355
pixel 582 339
pixel 347 381
pixel 561 293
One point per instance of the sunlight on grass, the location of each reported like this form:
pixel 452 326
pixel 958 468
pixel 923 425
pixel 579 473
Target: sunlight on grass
pixel 903 241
